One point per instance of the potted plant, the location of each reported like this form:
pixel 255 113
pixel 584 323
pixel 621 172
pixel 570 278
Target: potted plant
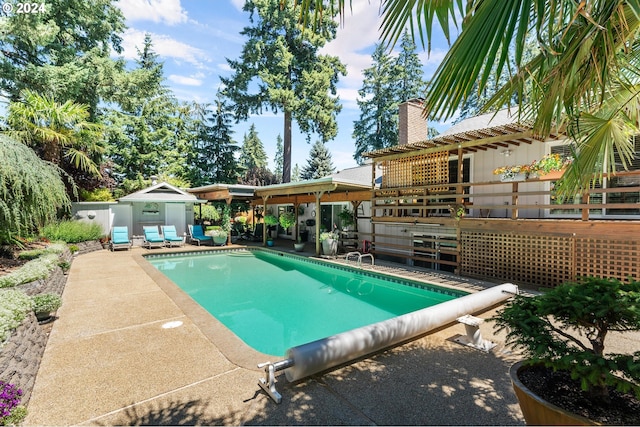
pixel 457 212
pixel 270 221
pixel 513 173
pixel 287 219
pixel 219 236
pixel 299 245
pixel 270 241
pixel 346 218
pixel 551 166
pixel 568 377
pixel 329 242
pixel 44 305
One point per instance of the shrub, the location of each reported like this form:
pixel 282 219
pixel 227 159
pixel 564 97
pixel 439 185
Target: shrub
pixel 97 195
pixel 14 306
pixel 565 329
pixel 45 303
pixel 9 399
pixel 38 268
pixel 73 231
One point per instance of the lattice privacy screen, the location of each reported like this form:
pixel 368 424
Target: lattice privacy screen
pixel 546 260
pixel 523 259
pixel 423 169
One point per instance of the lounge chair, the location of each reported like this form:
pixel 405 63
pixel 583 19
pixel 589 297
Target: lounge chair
pixel 119 238
pixel 152 238
pixel 197 236
pixel 170 236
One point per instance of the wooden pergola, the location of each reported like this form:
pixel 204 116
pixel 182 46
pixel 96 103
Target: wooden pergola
pixel 224 192
pixel 328 189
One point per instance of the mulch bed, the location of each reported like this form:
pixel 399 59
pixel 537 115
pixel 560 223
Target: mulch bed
pixel 558 388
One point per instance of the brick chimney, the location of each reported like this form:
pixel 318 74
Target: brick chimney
pixel 411 126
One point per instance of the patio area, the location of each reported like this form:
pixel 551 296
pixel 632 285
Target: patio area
pixel 109 361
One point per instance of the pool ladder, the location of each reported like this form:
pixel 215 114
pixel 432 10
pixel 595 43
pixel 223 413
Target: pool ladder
pixel 359 258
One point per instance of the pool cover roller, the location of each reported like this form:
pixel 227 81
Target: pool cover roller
pixel 324 354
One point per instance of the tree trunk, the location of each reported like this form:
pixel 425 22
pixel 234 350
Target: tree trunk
pixel 286 156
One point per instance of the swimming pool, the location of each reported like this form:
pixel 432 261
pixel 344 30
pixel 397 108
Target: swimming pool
pixel 274 301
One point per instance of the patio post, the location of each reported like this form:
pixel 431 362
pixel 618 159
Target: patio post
pixel 264 226
pixel 318 195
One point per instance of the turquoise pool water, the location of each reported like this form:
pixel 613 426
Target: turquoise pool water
pixel 273 302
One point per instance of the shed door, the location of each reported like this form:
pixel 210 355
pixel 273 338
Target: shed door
pixel 175 215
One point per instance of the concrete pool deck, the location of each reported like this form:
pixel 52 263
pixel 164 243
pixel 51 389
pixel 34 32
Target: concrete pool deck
pixel 109 361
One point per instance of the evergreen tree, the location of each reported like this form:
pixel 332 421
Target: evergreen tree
pixel 212 158
pixel 295 173
pixel 409 72
pixel 252 155
pixel 142 132
pixel 377 126
pixel 291 76
pixel 63 51
pixel 319 163
pixel 278 159
pixel 387 83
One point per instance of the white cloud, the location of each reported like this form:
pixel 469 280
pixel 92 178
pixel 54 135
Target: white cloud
pixel 185 81
pixel 169 12
pixel 164 46
pixel 355 40
pixel 239 4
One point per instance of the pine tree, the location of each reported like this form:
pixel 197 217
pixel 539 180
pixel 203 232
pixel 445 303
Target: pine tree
pixel 212 155
pixel 377 126
pixel 319 163
pixel 278 159
pixel 387 83
pixel 252 155
pixel 292 77
pixel 409 71
pixel 295 173
pixel 142 134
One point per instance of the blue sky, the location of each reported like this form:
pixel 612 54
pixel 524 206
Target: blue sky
pixel 193 38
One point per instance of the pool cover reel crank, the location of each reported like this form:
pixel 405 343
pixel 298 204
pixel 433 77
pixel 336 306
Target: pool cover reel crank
pixel 268 383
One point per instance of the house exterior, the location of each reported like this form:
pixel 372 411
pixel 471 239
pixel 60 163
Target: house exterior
pixel 515 231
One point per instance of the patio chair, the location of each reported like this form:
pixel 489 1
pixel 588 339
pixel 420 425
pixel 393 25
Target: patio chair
pixel 119 238
pixel 152 238
pixel 170 236
pixel 197 236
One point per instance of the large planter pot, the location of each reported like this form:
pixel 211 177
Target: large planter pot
pixel 299 247
pixel 219 240
pixel 553 175
pixel 538 411
pixel 329 246
pixel 270 243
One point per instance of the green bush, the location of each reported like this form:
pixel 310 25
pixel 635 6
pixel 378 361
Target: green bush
pixel 44 303
pixel 73 231
pixel 14 306
pixel 38 268
pixel 97 195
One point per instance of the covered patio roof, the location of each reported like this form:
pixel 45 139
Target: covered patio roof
pixel 329 188
pixel 226 192
pixel 480 133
